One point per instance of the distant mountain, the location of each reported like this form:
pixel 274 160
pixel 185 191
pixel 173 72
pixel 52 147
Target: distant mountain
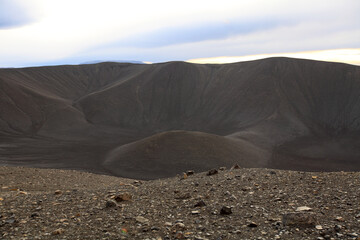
pixel 277 113
pixel 117 61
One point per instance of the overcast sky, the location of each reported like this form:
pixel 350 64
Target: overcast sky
pixel 48 32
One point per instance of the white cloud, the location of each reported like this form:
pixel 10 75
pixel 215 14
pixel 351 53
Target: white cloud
pixel 90 29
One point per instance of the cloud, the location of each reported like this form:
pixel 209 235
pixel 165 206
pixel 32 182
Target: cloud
pixel 161 30
pixel 197 32
pixel 15 13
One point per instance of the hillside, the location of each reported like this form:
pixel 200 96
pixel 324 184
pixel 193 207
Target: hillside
pixel 277 113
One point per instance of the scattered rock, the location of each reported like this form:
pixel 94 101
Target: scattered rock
pixel 252 225
pixel 212 172
pixel 190 172
pixel 179 235
pixel 352 235
pixel 10 220
pixel 142 220
pixel 179 226
pixel 303 208
pixel 123 197
pixel 58 231
pixel 225 210
pixel 184 196
pixel 197 215
pixel 338 228
pixel 196 212
pixel 168 224
pixel 340 219
pixel 110 204
pixel 319 227
pixel 34 215
pixel 199 238
pixel 235 167
pixel 58 192
pixel 222 168
pixel 201 203
pixel 299 219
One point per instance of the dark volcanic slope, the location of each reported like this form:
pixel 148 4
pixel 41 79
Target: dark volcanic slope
pixel 298 114
pixel 168 153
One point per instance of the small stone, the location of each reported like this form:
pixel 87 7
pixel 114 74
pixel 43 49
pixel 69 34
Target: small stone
pixel 179 235
pixel 167 224
pixel 179 226
pixel 340 219
pixel 10 220
pixel 190 172
pixel 201 203
pixel 58 231
pixel 337 228
pixel 154 229
pixel 142 220
pixel 110 204
pixel 123 197
pixel 319 227
pixel 303 208
pixel 352 235
pixel 198 238
pixel 277 237
pixel 58 192
pixel 227 193
pixel 235 167
pixel 195 212
pixel 299 219
pixel 34 215
pixel 222 168
pixel 225 210
pixel 183 196
pixel 252 225
pixel 212 172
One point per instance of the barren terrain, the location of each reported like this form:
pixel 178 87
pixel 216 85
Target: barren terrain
pixel 230 204
pixel 146 121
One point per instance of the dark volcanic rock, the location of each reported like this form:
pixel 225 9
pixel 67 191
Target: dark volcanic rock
pixel 225 210
pixel 212 172
pixel 201 203
pixel 299 219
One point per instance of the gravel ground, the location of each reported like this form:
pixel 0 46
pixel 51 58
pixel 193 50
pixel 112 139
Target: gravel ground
pixel 225 204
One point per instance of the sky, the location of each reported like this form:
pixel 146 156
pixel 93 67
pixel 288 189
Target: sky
pixel 56 32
